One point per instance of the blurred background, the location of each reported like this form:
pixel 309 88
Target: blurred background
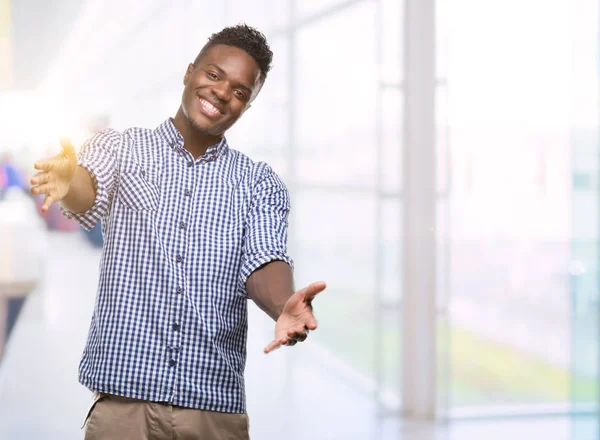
pixel 442 159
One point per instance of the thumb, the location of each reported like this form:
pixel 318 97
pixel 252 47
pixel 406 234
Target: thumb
pixel 310 291
pixel 68 150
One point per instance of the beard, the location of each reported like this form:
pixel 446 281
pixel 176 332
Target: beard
pixel 202 127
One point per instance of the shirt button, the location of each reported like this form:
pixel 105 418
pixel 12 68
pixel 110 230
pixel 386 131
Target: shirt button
pixel 179 289
pixel 172 363
pixel 190 164
pixel 188 192
pixel 179 258
pixel 175 326
pixel 182 225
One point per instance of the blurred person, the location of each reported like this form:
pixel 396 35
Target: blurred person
pixel 192 229
pixel 3 181
pixel 11 175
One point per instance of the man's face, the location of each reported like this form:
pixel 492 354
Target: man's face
pixel 219 88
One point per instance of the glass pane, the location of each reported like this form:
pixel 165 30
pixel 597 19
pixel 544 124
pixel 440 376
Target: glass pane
pixel 336 99
pixel 510 218
pixel 392 50
pixel 443 324
pixel 442 37
pixel 388 322
pixel 583 270
pixel 307 8
pixel 391 251
pixel 339 239
pixel 392 139
pixel 444 157
pixel 584 277
pixel 265 15
pixel 389 358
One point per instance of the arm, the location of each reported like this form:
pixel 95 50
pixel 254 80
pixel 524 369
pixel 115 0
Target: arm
pixel 82 192
pixel 267 270
pixel 84 185
pixel 270 287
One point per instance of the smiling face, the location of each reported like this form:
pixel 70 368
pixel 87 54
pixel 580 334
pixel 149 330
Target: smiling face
pixel 219 88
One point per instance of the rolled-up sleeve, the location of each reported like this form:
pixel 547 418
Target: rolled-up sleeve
pixel 265 234
pixel 99 157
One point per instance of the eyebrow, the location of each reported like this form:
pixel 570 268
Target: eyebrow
pixel 243 86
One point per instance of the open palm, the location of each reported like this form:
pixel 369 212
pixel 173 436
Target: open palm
pixel 55 177
pixel 297 317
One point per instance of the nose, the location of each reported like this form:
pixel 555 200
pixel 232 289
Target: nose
pixel 222 91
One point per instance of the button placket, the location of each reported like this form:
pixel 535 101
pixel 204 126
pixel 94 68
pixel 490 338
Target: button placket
pixel 173 355
pixel 177 327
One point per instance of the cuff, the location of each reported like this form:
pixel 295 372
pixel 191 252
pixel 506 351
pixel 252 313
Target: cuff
pixel 256 261
pixel 92 216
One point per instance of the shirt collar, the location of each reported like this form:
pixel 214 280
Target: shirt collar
pixel 168 131
pixel 175 139
pixel 214 151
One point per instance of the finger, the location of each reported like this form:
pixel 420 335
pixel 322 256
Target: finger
pixel 45 165
pixel 313 289
pixel 41 189
pixel 311 323
pixel 291 343
pixel 300 337
pixel 280 342
pixel 67 147
pixel 295 332
pixel 47 203
pixel 39 178
pixel 273 346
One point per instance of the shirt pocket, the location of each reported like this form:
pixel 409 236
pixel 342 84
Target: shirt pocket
pixel 139 189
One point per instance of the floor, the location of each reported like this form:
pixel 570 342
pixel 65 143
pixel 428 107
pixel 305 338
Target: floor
pixel 291 394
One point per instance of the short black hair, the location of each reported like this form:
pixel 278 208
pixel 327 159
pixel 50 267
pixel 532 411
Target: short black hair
pixel 247 38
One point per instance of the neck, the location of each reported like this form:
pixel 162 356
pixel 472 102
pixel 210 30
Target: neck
pixel 194 141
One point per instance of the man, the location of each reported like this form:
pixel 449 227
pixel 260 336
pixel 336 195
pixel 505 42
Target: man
pixel 192 228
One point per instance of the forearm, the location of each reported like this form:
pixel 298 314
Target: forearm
pixel 82 193
pixel 271 286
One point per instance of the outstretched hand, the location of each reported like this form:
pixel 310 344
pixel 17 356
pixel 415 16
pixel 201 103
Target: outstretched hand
pixel 297 318
pixel 55 177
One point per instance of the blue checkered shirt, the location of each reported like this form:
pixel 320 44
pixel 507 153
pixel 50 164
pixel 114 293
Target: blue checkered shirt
pixel 181 236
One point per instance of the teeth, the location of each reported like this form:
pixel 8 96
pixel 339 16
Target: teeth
pixel 208 106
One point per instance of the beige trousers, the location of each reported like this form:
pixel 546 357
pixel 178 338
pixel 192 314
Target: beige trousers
pixel 119 418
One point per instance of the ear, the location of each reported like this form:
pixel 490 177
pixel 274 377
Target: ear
pixel 188 73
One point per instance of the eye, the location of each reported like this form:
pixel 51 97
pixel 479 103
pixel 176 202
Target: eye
pixel 212 76
pixel 240 94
